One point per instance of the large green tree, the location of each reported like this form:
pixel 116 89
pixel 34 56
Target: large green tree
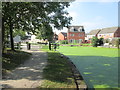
pixel 30 16
pixel 95 41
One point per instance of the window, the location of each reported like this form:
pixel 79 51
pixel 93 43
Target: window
pixel 80 40
pixel 75 30
pixel 72 29
pixel 71 34
pixel 80 29
pixel 80 35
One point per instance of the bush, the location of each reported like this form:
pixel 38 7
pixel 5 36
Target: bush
pixel 117 42
pixel 64 42
pixel 95 41
pixel 101 41
pixel 106 41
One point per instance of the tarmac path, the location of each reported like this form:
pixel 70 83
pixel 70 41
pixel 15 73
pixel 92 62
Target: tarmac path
pixel 29 74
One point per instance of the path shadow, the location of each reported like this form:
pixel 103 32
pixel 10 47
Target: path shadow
pixel 31 69
pixel 98 71
pixel 6 86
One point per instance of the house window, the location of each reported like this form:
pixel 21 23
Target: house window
pixel 80 29
pixel 72 29
pixel 71 34
pixel 75 30
pixel 80 40
pixel 80 35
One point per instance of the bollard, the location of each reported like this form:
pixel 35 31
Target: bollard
pixel 55 46
pixel 28 46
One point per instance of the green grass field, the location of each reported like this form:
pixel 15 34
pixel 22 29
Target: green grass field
pixel 98 66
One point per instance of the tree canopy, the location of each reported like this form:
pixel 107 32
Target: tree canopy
pixel 34 17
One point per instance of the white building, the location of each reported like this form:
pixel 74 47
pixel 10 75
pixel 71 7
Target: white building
pixel 93 33
pixel 17 39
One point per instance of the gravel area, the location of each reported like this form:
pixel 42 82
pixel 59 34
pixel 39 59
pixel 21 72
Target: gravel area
pixel 29 74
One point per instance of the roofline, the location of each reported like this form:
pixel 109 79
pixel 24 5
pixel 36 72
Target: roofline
pixel 76 26
pixel 111 27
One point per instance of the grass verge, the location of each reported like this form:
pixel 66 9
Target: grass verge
pixel 57 73
pixel 12 59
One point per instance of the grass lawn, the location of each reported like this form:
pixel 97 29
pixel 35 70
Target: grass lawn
pixel 57 73
pixel 11 59
pixel 98 66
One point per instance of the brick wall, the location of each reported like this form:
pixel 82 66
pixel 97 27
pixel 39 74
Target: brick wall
pixel 61 37
pixel 77 35
pixel 117 33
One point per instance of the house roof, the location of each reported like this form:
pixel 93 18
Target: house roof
pixel 76 28
pixel 94 32
pixel 64 33
pixel 108 30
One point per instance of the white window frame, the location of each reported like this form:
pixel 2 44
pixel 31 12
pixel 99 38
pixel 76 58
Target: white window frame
pixel 72 35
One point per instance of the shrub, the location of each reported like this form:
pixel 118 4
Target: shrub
pixel 117 42
pixel 101 41
pixel 106 41
pixel 64 42
pixel 95 41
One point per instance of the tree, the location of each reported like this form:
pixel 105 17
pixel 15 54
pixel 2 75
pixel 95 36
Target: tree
pixel 101 41
pixel 45 32
pixel 95 41
pixel 30 16
pixel 20 33
pixel 117 42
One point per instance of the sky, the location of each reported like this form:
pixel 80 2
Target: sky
pixel 93 15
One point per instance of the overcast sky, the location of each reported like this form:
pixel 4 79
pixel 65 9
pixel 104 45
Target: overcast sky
pixel 93 15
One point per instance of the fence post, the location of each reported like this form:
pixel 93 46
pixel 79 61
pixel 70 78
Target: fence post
pixel 49 46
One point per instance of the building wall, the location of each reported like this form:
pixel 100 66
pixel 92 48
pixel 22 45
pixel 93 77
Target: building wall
pixel 17 39
pixel 106 36
pixel 61 37
pixel 90 36
pixel 77 36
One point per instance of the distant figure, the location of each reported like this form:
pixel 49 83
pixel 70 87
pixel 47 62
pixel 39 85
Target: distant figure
pixel 55 46
pixel 28 46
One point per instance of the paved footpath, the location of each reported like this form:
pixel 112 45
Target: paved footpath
pixel 29 74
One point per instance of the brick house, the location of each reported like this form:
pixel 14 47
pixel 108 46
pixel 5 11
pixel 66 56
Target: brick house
pixel 109 33
pixel 62 36
pixel 76 34
pixel 93 33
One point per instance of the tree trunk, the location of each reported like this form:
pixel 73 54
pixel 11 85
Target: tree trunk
pixel 49 45
pixel 3 35
pixel 11 36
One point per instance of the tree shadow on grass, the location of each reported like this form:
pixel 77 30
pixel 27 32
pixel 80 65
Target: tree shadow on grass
pixel 98 71
pixel 57 69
